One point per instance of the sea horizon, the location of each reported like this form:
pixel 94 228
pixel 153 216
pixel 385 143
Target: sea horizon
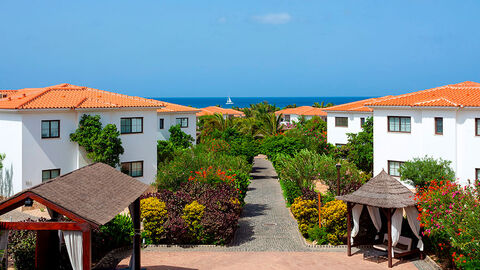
pixel 242 102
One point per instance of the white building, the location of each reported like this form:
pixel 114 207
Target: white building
pixel 293 115
pixel 36 123
pixel 347 118
pixel 174 114
pixel 442 122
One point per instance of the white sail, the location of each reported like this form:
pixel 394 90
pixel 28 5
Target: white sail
pixel 229 101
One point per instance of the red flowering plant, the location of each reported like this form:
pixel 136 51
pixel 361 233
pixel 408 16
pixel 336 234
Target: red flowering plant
pixel 449 216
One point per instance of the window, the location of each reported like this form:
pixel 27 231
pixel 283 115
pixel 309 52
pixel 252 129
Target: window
pixel 362 121
pixel 341 121
pixel 131 125
pixel 477 126
pixel 286 117
pixel 439 125
pixel 393 167
pixel 161 123
pixel 477 174
pixel 339 145
pixel 399 124
pixel 50 174
pixel 183 122
pixel 134 168
pixel 50 129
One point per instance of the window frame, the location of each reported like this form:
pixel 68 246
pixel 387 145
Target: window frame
pixel 435 125
pixel 49 129
pixel 362 121
pixel 286 117
pixel 399 123
pixel 342 117
pixel 161 123
pixel 50 171
pixel 180 118
pixel 477 133
pixel 477 171
pixel 396 161
pixel 130 167
pixel 131 125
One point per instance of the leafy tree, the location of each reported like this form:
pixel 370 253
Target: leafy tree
pixel 291 106
pixel 271 124
pixel 420 171
pixel 179 138
pixel 360 147
pixel 101 144
pixel 165 151
pixel 322 104
pixel 2 157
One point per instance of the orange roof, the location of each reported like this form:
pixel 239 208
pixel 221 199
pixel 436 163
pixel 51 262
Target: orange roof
pixel 214 109
pixel 170 107
pixel 465 94
pixel 303 110
pixel 356 106
pixel 67 96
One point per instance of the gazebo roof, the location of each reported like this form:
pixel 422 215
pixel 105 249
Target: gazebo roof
pixel 382 191
pixel 95 193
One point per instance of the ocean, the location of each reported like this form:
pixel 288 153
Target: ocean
pixel 242 102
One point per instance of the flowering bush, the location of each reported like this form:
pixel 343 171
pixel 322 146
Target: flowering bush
pixel 192 214
pixel 334 219
pixel 154 215
pixel 449 215
pixel 306 214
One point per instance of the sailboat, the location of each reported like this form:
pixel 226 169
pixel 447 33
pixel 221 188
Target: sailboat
pixel 229 101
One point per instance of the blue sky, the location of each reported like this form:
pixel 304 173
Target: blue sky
pixel 240 48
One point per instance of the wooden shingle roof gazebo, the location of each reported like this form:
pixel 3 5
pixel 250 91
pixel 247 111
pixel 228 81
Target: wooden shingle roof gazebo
pixel 90 196
pixel 383 192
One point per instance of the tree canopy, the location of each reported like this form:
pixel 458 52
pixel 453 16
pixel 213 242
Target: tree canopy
pixel 420 171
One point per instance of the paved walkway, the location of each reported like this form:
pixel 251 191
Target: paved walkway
pixel 267 238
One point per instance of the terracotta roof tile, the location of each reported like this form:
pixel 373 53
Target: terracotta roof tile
pixel 170 107
pixel 356 106
pixel 214 109
pixel 465 94
pixel 67 96
pixel 303 110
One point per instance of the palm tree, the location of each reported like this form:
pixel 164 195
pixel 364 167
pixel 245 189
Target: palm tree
pixel 271 124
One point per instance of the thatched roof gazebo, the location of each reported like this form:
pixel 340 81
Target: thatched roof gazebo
pixel 90 196
pixel 393 198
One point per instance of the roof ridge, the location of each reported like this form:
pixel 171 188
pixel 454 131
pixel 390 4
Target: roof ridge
pixel 409 94
pixel 437 99
pixel 34 98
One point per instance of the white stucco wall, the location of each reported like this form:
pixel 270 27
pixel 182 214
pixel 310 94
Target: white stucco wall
pixel 170 120
pixel 457 144
pixel 11 146
pixel 338 135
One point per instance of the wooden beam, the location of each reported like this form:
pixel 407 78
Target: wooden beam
pixel 87 249
pixel 349 229
pixel 389 226
pixel 41 226
pixel 136 237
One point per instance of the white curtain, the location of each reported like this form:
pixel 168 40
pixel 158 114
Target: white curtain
pixel 397 219
pixel 356 212
pixel 376 219
pixel 412 214
pixel 74 244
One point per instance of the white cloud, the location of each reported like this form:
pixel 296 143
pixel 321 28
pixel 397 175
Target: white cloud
pixel 273 18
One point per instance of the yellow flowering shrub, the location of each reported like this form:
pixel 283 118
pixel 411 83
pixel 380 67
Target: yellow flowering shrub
pixel 334 220
pixel 154 215
pixel 306 214
pixel 192 214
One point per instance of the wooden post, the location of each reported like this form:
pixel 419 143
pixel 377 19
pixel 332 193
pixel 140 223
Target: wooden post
pixel 349 229
pixel 136 237
pixel 319 210
pixel 389 226
pixel 87 248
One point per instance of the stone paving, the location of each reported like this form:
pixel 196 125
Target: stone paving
pixel 266 224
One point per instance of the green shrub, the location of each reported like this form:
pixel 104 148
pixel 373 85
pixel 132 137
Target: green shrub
pixel 318 234
pixel 302 168
pixel 179 138
pixel 280 144
pixel 327 197
pixel 291 191
pixel 154 215
pixel 165 150
pixel 334 219
pixel 192 214
pixel 22 248
pixel 118 232
pixel 306 214
pixel 420 171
